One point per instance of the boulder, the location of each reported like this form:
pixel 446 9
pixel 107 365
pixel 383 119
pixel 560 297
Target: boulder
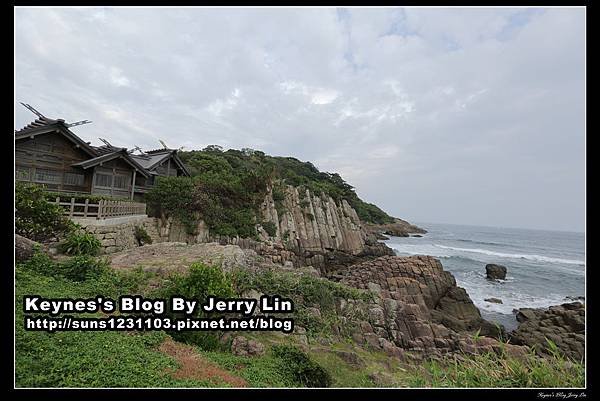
pixel 242 346
pixel 495 272
pixel 24 248
pixel 352 358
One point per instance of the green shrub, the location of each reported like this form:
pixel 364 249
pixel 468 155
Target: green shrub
pixel 269 227
pixel 41 263
pixel 141 236
pixel 174 197
pixel 201 281
pixel 82 268
pixel 80 243
pixel 305 291
pixel 35 217
pixel 301 368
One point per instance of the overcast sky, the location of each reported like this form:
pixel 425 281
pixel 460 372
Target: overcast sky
pixel 467 116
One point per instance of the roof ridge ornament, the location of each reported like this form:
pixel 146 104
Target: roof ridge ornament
pixel 142 153
pixel 69 125
pixel 43 117
pixel 108 144
pixel 34 111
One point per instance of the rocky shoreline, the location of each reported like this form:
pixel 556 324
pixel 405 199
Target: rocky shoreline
pixel 563 325
pixel 417 305
pixel 399 228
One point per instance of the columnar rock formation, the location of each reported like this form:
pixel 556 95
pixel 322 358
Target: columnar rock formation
pixel 310 230
pixel 313 223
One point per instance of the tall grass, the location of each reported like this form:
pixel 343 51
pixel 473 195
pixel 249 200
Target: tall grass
pixel 501 370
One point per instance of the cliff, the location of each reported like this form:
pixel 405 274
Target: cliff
pixel 307 230
pixel 307 222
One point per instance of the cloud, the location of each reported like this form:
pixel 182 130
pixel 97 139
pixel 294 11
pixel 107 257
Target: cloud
pixel 457 115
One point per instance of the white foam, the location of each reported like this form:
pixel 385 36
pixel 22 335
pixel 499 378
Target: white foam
pixel 537 258
pixel 442 251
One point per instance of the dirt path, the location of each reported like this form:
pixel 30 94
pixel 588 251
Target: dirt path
pixel 194 366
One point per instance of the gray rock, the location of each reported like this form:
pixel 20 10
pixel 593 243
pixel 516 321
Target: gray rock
pixel 493 300
pixel 563 324
pixel 351 358
pixel 24 248
pixel 242 346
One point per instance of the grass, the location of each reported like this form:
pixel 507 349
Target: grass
pixel 492 370
pixel 258 371
pixel 88 359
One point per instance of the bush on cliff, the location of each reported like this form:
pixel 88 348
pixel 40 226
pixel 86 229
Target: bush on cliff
pixel 227 202
pixel 35 217
pixel 269 227
pixel 173 197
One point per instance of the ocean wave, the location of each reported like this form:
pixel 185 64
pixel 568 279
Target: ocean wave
pixel 471 241
pixel 512 301
pixel 536 258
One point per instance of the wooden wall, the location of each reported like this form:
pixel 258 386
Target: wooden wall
pixel 46 159
pixel 113 178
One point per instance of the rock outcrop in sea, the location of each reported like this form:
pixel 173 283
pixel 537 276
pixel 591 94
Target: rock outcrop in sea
pixel 495 272
pixel 564 325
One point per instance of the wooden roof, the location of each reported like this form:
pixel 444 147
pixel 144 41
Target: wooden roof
pixel 44 125
pixel 120 154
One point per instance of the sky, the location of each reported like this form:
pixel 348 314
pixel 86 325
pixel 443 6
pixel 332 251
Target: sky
pixel 449 115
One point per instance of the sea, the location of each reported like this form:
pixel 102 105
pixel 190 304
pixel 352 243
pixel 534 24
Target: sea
pixel 544 268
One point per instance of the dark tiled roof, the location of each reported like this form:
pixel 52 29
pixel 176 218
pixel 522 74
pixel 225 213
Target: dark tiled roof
pixel 151 159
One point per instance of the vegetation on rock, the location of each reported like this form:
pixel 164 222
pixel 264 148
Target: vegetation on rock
pixel 141 236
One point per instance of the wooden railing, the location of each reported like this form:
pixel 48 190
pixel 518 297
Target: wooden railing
pixel 104 209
